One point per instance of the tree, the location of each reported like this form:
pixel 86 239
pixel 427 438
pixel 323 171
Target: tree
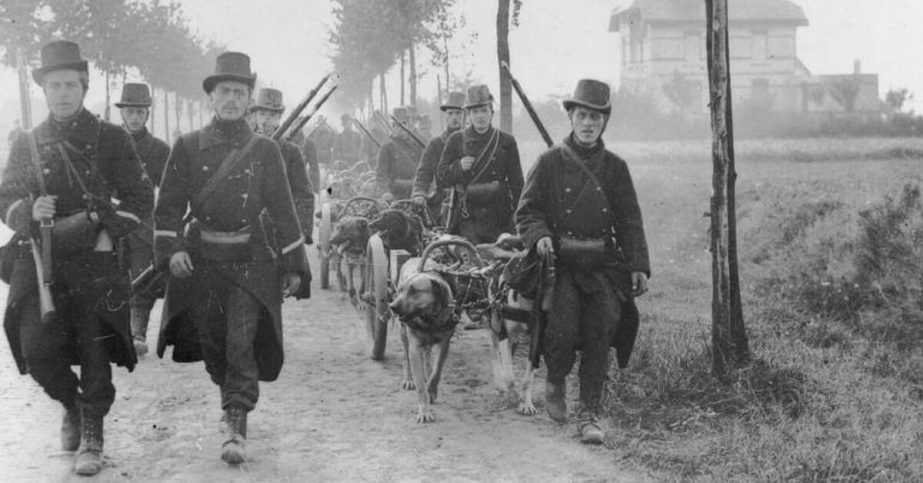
pixel 681 91
pixel 729 337
pixel 504 19
pixel 895 98
pixel 845 91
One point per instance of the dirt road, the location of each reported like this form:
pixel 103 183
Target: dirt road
pixel 333 415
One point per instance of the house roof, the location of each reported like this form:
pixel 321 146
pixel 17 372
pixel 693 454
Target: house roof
pixel 780 11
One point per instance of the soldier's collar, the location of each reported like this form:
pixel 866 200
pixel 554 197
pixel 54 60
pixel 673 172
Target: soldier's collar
pixel 81 130
pixel 219 132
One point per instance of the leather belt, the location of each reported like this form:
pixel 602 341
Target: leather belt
pixel 225 237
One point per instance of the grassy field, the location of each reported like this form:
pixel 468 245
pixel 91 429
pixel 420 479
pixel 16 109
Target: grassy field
pixel 828 396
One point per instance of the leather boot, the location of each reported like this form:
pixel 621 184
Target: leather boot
pixel 591 431
pixel 139 319
pixel 233 451
pixel 70 428
pixel 555 400
pixel 90 457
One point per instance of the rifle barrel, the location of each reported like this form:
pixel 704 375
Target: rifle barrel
pixel 367 133
pixel 307 117
pixel 277 134
pixel 409 131
pixel 528 105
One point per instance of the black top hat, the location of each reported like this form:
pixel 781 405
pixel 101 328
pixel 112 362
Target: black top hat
pixel 455 101
pixel 134 95
pixel 592 94
pixel 59 55
pixel 230 66
pixel 478 95
pixel 269 99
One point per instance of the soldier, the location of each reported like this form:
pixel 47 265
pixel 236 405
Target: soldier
pixel 425 126
pixel 481 163
pixel 265 117
pixel 426 172
pixel 83 163
pixel 369 146
pixel 348 144
pixel 309 151
pixel 323 138
pixel 134 106
pixel 224 294
pixel 579 206
pixel 397 160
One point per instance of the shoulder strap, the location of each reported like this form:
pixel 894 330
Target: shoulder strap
pixel 36 162
pixel 484 158
pixel 569 155
pixel 231 161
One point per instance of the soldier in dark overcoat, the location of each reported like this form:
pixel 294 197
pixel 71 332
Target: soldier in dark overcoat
pixel 134 107
pixel 481 165
pixel 309 152
pixel 348 144
pixel 424 193
pixel 224 294
pixel 84 163
pixel 592 227
pixel 397 160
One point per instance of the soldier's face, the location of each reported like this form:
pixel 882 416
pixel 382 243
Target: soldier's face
pixel 63 92
pixel 587 124
pixel 480 117
pixel 134 117
pixel 230 100
pixel 454 118
pixel 266 121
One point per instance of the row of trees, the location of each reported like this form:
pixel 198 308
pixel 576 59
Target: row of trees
pixel 151 37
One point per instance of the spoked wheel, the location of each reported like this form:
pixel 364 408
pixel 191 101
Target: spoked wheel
pixel 377 297
pixel 324 231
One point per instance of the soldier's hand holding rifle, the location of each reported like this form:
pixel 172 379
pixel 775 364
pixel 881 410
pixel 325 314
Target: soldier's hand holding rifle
pixel 181 265
pixel 545 248
pixel 43 207
pixel 466 163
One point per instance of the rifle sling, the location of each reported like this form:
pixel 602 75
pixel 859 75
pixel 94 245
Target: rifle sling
pixel 569 155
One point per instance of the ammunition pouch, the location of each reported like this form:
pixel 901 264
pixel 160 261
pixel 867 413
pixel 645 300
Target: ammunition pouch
pixel 578 253
pixel 16 248
pixel 483 193
pixel 73 234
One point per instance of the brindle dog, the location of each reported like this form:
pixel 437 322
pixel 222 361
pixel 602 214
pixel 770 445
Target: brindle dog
pixel 350 236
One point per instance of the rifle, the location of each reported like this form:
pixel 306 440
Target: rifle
pixel 320 121
pixel 410 132
pixel 42 255
pixel 307 117
pixel 277 134
pixel 380 118
pixel 527 105
pixel 367 133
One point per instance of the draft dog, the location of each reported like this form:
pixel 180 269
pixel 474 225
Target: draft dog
pixel 399 230
pixel 424 305
pixel 350 236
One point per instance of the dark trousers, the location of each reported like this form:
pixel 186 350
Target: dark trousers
pixel 227 324
pixel 584 316
pixel 141 302
pixel 78 335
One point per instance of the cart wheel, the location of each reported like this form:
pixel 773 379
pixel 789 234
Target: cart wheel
pixel 376 286
pixel 324 230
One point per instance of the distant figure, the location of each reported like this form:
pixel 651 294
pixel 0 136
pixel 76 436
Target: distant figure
pixel 348 144
pixel 481 164
pixel 371 147
pixel 17 130
pixel 425 126
pixel 398 160
pixel 134 107
pixel 323 138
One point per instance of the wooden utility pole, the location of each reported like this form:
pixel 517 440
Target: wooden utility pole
pixel 402 79
pixel 503 55
pixel 729 336
pixel 413 74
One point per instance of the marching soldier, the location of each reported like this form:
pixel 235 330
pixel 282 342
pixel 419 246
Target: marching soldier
pixel 224 295
pixel 426 172
pixel 265 117
pixel 398 160
pixel 348 144
pixel 579 206
pixel 134 106
pixel 68 169
pixel 323 138
pixel 309 151
pixel 481 164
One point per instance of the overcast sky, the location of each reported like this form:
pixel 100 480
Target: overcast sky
pixel 558 42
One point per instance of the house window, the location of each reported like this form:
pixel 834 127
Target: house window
pixel 760 42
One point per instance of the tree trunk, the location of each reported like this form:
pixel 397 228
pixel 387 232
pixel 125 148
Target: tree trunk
pixel 384 93
pixel 151 114
pixel 445 45
pixel 439 99
pixel 25 99
pixel 413 75
pixel 189 106
pixel 402 78
pixel 166 116
pixel 729 337
pixel 202 108
pixel 107 110
pixel 503 55
pixel 177 105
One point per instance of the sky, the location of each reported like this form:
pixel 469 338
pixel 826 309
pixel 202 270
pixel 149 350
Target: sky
pixel 557 43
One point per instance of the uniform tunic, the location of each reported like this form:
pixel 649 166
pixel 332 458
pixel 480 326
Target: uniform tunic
pixel 482 221
pixel 397 166
pixel 592 308
pixel 90 290
pixel 207 312
pixel 153 153
pixel 348 147
pixel 426 172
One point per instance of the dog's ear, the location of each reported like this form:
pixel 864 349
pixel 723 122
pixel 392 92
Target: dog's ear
pixel 363 224
pixel 440 292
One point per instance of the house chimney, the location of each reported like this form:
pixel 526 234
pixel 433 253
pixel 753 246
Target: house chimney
pixel 857 67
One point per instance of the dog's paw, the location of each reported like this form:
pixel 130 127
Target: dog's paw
pixel 408 385
pixel 425 415
pixel 526 408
